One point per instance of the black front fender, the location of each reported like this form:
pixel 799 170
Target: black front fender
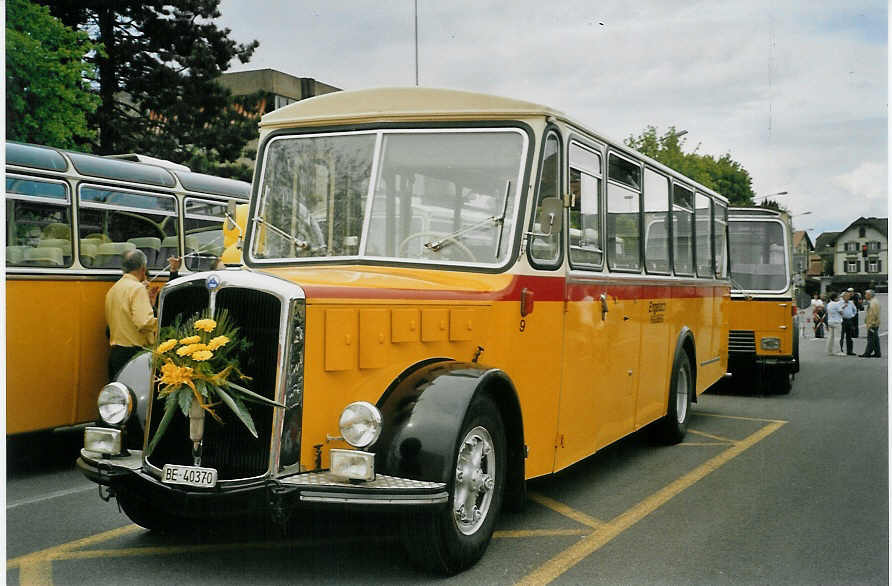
pixel 422 416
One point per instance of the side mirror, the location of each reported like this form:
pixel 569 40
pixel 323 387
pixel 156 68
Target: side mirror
pixel 230 215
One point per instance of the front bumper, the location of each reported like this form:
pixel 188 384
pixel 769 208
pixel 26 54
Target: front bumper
pixel 306 489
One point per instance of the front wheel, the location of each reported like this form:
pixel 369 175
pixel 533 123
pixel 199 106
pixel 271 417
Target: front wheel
pixel 147 516
pixel 454 538
pixel 673 427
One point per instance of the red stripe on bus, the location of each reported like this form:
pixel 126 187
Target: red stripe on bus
pixel 543 288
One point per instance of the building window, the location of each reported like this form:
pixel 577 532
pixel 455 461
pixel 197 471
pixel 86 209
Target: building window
pixel 852 266
pixel 873 246
pixel 874 265
pixel 861 231
pixel 851 247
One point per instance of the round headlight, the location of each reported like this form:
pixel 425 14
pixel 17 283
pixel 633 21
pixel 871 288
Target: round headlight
pixel 360 424
pixel 115 404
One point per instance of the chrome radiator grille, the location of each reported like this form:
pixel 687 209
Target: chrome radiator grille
pixel 228 446
pixel 741 342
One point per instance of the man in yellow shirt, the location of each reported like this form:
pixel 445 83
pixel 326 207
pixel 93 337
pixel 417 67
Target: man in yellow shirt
pixel 872 321
pixel 128 311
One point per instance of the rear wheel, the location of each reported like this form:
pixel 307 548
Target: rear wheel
pixel 673 427
pixel 454 538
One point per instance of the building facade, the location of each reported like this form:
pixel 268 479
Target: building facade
pixel 856 257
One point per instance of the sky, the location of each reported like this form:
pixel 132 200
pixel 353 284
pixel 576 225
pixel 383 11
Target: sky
pixel 795 91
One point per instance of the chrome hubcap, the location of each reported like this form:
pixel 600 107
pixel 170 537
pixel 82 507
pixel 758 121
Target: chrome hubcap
pixel 681 395
pixel 475 478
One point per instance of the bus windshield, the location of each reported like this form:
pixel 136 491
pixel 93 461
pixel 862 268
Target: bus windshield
pixel 758 255
pixel 429 196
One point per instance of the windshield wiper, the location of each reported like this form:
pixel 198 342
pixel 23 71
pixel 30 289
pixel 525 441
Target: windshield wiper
pixel 301 244
pixel 436 245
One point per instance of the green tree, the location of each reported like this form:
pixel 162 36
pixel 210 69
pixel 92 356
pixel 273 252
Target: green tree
pixel 724 174
pixel 48 97
pixel 158 81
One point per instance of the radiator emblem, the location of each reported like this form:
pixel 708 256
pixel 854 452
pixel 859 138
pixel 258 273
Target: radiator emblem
pixel 213 282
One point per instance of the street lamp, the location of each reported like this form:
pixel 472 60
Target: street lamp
pixel 767 195
pixel 680 133
pixel 801 214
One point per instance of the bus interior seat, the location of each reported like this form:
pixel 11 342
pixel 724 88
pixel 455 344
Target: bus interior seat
pixel 57 230
pixel 151 247
pixel 109 254
pixel 89 249
pixel 15 255
pixel 60 243
pixel 44 257
pixel 98 236
pixel 170 246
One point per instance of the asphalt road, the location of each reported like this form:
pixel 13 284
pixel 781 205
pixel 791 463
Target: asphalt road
pixel 778 489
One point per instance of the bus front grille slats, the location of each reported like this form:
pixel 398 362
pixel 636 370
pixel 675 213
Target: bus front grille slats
pixel 228 446
pixel 741 342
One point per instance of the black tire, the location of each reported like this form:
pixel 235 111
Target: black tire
pixel 780 381
pixel 149 517
pixel 439 541
pixel 672 428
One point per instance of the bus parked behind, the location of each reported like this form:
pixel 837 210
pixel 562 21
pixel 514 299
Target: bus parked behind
pixel 69 217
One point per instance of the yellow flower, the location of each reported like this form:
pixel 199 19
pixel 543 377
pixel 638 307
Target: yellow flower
pixel 202 355
pixel 217 342
pixel 191 349
pixel 190 340
pixel 207 325
pixel 173 375
pixel 167 345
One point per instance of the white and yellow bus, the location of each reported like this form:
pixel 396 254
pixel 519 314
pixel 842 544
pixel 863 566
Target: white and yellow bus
pixel 451 293
pixel 69 216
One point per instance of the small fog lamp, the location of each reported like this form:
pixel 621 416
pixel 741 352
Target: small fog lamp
pixel 360 424
pixel 353 465
pixel 115 404
pixel 770 343
pixel 102 440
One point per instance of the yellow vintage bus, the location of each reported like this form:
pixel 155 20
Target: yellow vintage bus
pixel 450 293
pixel 69 216
pixel 763 338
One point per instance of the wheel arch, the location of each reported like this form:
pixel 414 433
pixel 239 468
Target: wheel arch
pixel 685 343
pixel 423 410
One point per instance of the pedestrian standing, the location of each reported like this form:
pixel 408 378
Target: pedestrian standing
pixel 128 311
pixel 872 321
pixel 849 311
pixel 834 323
pixel 820 318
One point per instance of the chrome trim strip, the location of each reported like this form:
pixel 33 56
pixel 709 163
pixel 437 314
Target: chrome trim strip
pixel 371 499
pixel 708 362
pixel 576 277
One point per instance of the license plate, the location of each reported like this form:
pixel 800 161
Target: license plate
pixel 189 476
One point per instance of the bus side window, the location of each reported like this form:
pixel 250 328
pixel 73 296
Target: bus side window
pixel 203 227
pixel 113 221
pixel 623 214
pixel 545 250
pixel 683 229
pixel 585 204
pixel 38 223
pixel 719 231
pixel 656 212
pixel 703 230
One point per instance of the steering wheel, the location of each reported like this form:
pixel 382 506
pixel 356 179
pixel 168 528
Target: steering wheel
pixel 432 236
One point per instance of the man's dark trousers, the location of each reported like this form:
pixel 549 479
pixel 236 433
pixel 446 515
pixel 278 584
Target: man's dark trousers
pixel 846 334
pixel 873 343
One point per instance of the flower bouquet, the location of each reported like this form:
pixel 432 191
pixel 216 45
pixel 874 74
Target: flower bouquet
pixel 197 363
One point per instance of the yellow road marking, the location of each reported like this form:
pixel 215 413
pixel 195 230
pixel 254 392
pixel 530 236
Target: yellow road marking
pixel 694 444
pixel 50 553
pixel 36 574
pixel 559 507
pixel 720 416
pixel 568 558
pixel 539 533
pixel 710 436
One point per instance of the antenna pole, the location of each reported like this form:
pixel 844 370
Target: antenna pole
pixel 416 43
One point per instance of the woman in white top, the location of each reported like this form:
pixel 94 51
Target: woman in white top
pixel 834 322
